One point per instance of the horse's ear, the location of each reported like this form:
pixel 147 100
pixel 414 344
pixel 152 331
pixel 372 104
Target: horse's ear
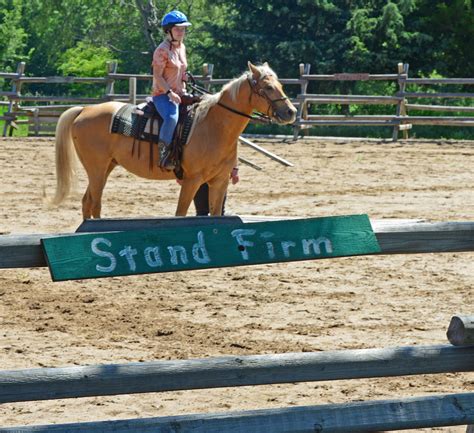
pixel 266 64
pixel 254 70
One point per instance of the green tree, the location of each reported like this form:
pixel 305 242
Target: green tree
pixel 12 35
pixel 451 27
pixel 280 32
pixel 85 60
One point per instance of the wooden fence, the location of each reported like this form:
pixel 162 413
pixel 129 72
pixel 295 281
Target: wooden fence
pixel 42 117
pixel 394 236
pixel 401 120
pixel 160 376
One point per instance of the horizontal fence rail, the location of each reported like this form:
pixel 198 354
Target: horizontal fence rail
pixel 159 376
pixel 418 412
pixel 394 237
pixel 399 121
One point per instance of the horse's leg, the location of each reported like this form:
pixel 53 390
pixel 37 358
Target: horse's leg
pixel 217 191
pixel 189 188
pixel 86 205
pixel 92 200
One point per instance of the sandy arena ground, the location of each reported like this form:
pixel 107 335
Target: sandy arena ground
pixel 306 306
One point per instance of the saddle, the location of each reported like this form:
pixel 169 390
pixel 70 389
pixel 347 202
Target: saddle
pixel 143 123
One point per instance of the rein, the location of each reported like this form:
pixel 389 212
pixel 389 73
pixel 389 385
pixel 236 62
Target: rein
pixel 256 117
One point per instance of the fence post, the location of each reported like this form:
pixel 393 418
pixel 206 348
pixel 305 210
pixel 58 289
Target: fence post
pixel 132 90
pixel 207 70
pixel 16 87
pixel 404 101
pixel 109 88
pixel 36 122
pixel 302 112
pixel 401 108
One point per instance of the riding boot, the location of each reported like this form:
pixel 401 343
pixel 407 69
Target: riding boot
pixel 165 156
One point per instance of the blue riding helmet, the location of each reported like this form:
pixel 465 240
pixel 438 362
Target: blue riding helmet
pixel 175 18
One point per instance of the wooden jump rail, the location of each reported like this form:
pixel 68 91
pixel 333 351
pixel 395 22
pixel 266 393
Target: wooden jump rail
pixel 394 236
pixel 231 371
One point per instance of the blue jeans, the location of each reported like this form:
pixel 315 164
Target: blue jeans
pixel 169 112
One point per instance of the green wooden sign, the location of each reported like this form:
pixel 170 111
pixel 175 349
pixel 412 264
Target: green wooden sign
pixel 175 249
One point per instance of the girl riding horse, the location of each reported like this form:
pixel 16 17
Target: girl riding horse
pixel 208 156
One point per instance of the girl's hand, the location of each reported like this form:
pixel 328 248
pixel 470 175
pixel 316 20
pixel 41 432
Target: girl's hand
pixel 174 97
pixel 234 175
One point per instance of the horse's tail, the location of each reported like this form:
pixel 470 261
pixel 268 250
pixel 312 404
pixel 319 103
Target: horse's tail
pixel 65 155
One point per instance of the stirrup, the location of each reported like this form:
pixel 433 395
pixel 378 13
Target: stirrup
pixel 164 154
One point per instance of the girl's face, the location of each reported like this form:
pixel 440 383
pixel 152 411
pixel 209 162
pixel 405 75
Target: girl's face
pixel 178 33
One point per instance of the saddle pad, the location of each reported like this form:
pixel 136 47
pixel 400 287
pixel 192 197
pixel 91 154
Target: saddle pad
pixel 126 121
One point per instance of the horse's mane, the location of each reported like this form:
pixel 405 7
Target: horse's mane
pixel 233 87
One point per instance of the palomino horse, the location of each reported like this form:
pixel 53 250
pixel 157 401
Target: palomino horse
pixel 208 157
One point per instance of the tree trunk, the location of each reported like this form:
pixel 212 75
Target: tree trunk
pixel 151 21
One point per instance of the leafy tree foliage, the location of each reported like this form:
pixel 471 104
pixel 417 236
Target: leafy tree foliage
pixel 12 35
pixel 451 27
pixel 76 36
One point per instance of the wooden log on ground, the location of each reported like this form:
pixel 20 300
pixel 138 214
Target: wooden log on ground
pixel 260 149
pixel 160 376
pixel 399 414
pixel 124 224
pixel 394 237
pixel 461 330
pixel 423 237
pixel 249 163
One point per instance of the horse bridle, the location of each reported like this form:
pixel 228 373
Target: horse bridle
pixel 257 89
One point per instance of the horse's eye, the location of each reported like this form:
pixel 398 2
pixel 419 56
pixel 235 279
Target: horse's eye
pixel 268 87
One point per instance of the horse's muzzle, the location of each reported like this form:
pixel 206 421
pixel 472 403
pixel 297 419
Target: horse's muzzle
pixel 285 115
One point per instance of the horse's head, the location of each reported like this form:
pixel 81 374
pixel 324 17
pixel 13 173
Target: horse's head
pixel 270 97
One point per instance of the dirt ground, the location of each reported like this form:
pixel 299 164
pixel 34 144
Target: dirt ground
pixel 321 305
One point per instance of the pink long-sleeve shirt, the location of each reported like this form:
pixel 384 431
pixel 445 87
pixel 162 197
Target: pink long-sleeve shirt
pixel 169 62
